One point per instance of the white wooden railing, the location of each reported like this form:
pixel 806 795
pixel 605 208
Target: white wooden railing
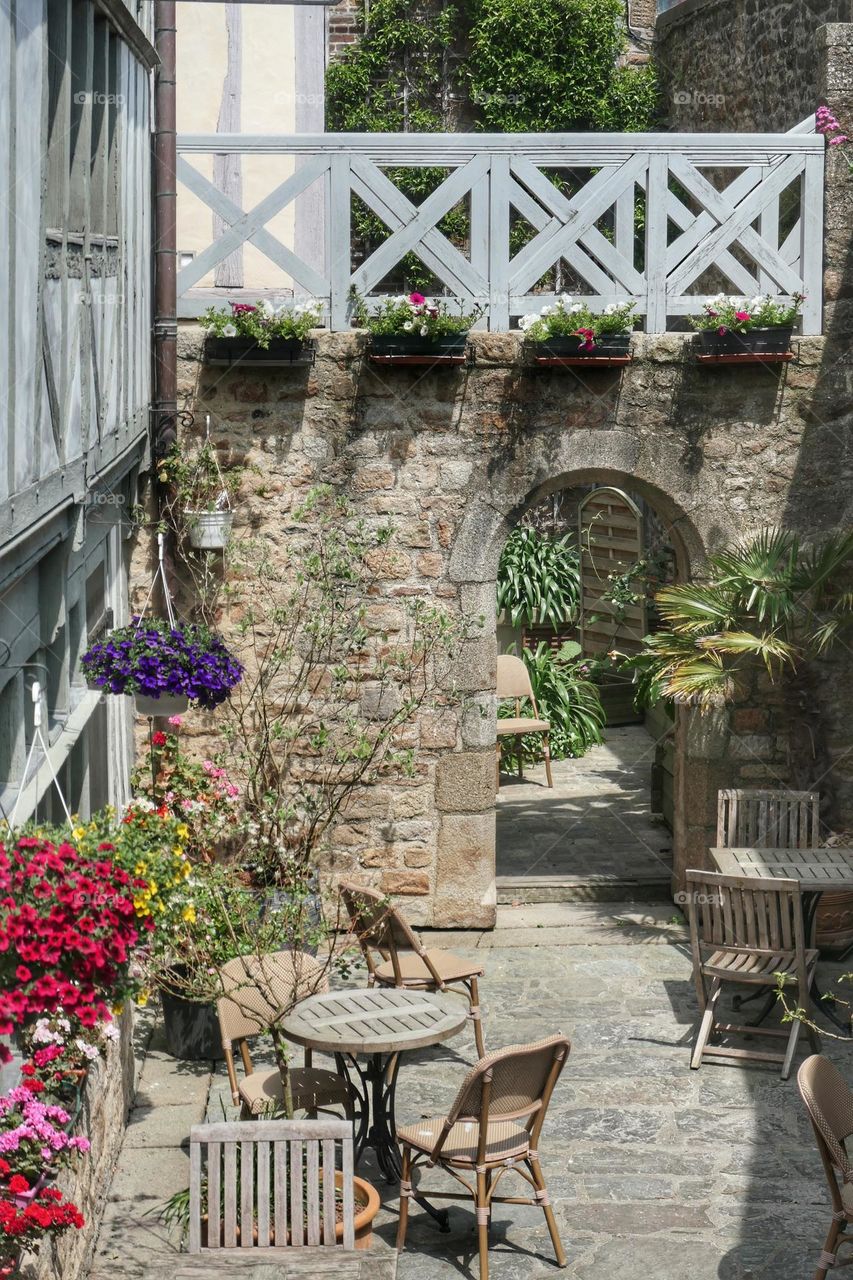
pixel 742 210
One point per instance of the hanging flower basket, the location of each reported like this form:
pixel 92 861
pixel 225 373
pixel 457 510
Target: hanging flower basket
pixel 165 705
pixel 209 530
pixel 160 659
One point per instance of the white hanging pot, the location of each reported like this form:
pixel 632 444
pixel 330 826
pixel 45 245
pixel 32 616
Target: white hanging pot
pixel 167 704
pixel 209 530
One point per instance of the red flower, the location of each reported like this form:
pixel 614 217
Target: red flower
pixel 742 315
pixel 159 739
pixel 18 1185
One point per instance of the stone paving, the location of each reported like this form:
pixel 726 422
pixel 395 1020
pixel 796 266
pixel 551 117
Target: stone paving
pixel 593 823
pixel 654 1170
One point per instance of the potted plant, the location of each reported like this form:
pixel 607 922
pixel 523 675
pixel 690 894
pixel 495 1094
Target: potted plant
pixel 762 326
pixel 260 333
pixel 202 495
pixel 26 1220
pixel 411 328
pixel 569 329
pixel 165 666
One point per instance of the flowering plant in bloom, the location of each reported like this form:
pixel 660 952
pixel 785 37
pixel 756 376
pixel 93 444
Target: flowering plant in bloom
pixel 33 1133
pixel 739 315
pixel 199 793
pixel 24 1223
pixel 67 926
pixel 263 320
pixel 826 123
pixel 568 319
pixel 58 1046
pixel 152 657
pixel 411 314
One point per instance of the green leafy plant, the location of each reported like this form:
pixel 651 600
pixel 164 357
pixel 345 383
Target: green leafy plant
pixel 262 322
pixel 567 318
pixel 411 314
pixel 569 702
pixel 198 480
pixel 740 315
pixel 768 599
pixel 539 578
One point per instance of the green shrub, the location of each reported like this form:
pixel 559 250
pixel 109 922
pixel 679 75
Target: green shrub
pixel 539 578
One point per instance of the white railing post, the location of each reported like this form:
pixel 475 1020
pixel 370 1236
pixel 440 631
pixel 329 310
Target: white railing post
pixel 499 242
pixel 340 261
pixel 811 243
pixel 656 226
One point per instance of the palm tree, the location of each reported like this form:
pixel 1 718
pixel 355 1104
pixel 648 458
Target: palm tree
pixel 769 598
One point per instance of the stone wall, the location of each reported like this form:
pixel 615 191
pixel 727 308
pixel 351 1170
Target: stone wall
pixel 742 64
pixel 105 1105
pixel 453 457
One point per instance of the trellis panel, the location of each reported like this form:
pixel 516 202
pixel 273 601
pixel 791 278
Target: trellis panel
pixel 610 533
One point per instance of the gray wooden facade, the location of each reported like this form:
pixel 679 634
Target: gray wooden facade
pixel 75 369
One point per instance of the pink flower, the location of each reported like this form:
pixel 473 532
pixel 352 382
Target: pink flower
pixel 417 298
pixel 721 330
pixel 742 315
pixel 175 721
pixel 842 137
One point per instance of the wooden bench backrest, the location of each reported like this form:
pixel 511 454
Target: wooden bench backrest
pixel 767 819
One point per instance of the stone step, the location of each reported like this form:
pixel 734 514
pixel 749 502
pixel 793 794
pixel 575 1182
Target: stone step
pixel 589 888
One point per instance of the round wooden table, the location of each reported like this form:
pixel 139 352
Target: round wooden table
pixel 378 1024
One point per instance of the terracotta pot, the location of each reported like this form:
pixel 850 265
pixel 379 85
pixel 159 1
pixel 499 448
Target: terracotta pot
pixel 834 920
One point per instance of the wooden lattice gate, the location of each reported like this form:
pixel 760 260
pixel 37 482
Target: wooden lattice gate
pixel 611 542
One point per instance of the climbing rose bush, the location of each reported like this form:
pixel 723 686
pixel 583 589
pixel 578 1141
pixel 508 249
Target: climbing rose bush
pixel 67 927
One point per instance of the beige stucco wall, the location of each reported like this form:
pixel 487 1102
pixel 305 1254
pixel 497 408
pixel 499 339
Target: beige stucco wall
pixel 268 105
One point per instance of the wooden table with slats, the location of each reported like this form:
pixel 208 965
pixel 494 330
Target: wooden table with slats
pixel 378 1024
pixel 817 870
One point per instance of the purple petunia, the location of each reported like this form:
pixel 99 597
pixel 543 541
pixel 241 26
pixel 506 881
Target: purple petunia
pixel 188 660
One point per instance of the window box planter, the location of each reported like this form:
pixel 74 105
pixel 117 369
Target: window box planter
pixel 610 349
pixel 760 344
pixel 409 348
pixel 282 352
pixel 209 530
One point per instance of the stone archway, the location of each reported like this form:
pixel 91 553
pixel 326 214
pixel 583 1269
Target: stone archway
pixel 660 478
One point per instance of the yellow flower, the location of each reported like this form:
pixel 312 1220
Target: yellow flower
pixel 142 999
pixel 78 833
pixel 118 1010
pixel 188 914
pixel 182 830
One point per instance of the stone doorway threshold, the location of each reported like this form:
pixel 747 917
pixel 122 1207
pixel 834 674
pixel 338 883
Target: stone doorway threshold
pixel 589 838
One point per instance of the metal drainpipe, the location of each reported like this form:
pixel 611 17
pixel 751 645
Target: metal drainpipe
pixel 165 233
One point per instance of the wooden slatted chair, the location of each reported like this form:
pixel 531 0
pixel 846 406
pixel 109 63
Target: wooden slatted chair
pixel 403 960
pixel 269 1184
pixel 830 1106
pixel 772 819
pixel 745 930
pixel 513 681
pixel 256 989
pixel 492 1128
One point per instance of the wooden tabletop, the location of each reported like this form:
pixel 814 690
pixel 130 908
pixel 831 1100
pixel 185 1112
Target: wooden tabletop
pixel 376 1020
pixel 815 869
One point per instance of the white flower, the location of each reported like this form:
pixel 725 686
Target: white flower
pixel 110 1031
pixel 756 302
pixel 546 311
pixel 407 325
pixel 298 310
pixel 526 321
pixel 564 301
pixel 424 331
pixel 576 307
pixel 229 331
pixel 611 308
pixel 89 1051
pixel 268 308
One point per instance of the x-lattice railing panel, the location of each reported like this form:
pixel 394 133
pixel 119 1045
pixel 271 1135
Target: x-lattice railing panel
pixel 642 216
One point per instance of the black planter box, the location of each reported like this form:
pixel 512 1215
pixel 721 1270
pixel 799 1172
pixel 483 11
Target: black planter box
pixel 608 345
pixel 191 1030
pixel 453 345
pixel 771 341
pixel 246 351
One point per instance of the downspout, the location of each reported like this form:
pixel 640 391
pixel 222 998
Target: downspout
pixel 165 234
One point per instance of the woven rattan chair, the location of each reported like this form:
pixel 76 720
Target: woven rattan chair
pixel 257 988
pixel 830 1107
pixel 513 681
pixel 492 1128
pixel 403 960
pixel 745 930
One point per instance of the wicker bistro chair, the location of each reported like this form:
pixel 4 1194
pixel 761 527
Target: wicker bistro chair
pixel 492 1128
pixel 830 1106
pixel 256 988
pixel 403 959
pixel 745 930
pixel 513 681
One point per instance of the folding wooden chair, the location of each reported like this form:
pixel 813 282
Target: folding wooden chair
pixel 256 990
pixel 404 961
pixel 745 930
pixel 830 1106
pixel 513 681
pixel 492 1128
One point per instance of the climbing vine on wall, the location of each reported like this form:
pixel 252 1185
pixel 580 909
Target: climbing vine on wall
pixel 512 66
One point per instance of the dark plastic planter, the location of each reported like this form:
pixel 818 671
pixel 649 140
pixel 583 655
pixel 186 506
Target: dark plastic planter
pixel 771 341
pixel 609 344
pixel 191 1030
pixel 412 344
pixel 281 351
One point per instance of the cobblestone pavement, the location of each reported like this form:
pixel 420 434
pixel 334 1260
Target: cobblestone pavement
pixel 655 1171
pixel 593 822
